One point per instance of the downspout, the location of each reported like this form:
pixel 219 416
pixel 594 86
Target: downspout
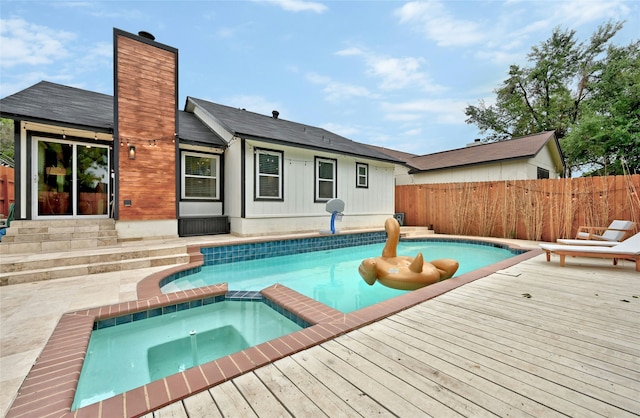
pixel 20 174
pixel 116 135
pixel 243 178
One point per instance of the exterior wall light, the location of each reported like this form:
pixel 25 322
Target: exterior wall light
pixel 132 152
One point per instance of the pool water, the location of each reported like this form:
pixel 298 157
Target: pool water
pixel 123 357
pixel 331 276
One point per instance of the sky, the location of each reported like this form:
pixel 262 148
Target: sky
pixel 388 73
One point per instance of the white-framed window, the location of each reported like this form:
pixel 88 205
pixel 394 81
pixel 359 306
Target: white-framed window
pixel 269 179
pixel 325 179
pixel 201 173
pixel 362 175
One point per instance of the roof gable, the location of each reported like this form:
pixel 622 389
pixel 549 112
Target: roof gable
pixel 243 123
pixel 518 148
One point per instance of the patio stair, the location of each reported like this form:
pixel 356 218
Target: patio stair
pixel 58 235
pixel 45 250
pixel 415 231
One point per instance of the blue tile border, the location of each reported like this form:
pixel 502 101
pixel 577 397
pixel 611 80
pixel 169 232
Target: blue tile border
pixel 176 276
pixel 230 296
pixel 257 250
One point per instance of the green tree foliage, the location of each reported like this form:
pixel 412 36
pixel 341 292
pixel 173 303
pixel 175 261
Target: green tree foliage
pixel 571 87
pixel 607 138
pixel 6 141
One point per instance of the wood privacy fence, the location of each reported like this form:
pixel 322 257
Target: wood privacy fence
pixel 540 210
pixel 7 189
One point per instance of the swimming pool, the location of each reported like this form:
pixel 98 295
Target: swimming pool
pixel 324 324
pixel 330 276
pixel 126 356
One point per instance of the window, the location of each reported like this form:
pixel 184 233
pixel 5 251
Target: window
pixel 362 175
pixel 325 186
pixel 201 173
pixel 268 174
pixel 543 173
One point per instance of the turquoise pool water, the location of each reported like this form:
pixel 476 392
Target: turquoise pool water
pixel 123 357
pixel 331 276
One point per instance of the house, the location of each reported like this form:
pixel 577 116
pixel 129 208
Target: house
pixel 160 171
pixel 535 156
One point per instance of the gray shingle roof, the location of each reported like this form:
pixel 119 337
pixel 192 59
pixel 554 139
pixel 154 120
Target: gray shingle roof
pixel 243 123
pixel 58 104
pixel 513 149
pixel 191 129
pixel 69 106
pixel 400 155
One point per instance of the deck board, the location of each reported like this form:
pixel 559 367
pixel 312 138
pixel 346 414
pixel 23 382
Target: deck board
pixel 563 355
pixel 309 381
pixel 483 349
pixel 328 386
pixel 230 401
pixel 201 405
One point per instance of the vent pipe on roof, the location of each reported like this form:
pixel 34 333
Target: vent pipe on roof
pixel 145 34
pixel 476 141
pixel 275 114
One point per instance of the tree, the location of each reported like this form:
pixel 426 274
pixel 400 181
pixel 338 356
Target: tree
pixel 607 138
pixel 556 93
pixel 6 142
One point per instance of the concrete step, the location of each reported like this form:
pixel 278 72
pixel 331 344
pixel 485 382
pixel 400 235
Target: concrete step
pixel 415 231
pixel 34 237
pixel 88 269
pixel 24 268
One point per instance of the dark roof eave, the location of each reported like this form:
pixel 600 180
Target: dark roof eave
pixel 23 118
pixel 201 144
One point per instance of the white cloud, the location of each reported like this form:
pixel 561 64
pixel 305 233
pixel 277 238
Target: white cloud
pixel 394 73
pixel 443 111
pixel 399 73
pixel 298 5
pixel 353 51
pixel 28 44
pixel 501 58
pixel 336 91
pixel 578 12
pixel 436 23
pixel 256 104
pixel 348 131
pixel 412 132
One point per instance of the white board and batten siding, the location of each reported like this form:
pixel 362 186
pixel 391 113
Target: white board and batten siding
pixel 298 210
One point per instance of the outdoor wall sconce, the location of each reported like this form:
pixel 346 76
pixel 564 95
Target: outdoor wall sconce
pixel 132 152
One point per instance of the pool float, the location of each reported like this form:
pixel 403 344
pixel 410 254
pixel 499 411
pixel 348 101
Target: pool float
pixel 401 272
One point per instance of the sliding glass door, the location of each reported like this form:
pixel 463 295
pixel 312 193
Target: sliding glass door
pixel 72 179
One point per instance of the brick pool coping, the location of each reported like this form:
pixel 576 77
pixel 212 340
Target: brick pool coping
pixel 49 388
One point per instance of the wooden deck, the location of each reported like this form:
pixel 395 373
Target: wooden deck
pixel 535 340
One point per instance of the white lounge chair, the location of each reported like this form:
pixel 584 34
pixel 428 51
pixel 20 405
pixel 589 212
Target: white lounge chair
pixel 614 232
pixel 627 249
pixel 587 242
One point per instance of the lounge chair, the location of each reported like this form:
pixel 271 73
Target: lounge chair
pixel 627 249
pixel 587 242
pixel 614 232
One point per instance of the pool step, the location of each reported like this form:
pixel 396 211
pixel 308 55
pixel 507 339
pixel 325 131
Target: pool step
pixel 415 231
pixel 24 268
